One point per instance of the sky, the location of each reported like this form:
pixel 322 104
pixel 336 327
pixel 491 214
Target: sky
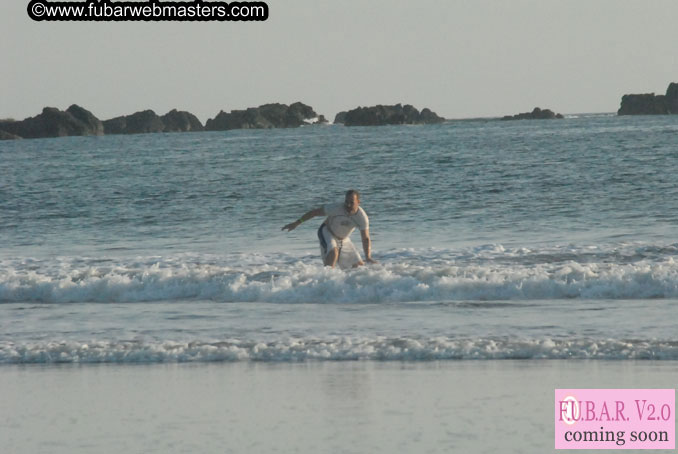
pixel 460 58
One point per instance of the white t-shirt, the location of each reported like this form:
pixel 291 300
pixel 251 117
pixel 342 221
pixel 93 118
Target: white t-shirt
pixel 341 224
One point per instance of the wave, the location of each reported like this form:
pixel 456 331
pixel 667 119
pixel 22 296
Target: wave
pixel 488 273
pixel 335 349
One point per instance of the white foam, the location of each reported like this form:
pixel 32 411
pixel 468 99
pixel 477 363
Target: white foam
pixel 483 273
pixel 334 349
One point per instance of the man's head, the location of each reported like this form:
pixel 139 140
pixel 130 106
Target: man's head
pixel 352 201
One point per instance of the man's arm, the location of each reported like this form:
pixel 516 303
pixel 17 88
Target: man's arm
pixel 311 214
pixel 367 245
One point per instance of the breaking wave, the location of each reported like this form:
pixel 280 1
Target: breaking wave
pixel 334 349
pixel 484 273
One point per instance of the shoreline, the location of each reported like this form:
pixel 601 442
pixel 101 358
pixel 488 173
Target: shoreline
pixel 402 407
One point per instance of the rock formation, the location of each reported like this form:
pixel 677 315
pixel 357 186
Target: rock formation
pixel 651 104
pixel 138 123
pixel 340 118
pixel 4 135
pixel 52 122
pixel 76 121
pixel 263 117
pixel 387 115
pixel 176 121
pixel 671 98
pixel 643 104
pixel 88 118
pixel 536 114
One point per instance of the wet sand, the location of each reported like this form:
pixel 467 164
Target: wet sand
pixel 321 407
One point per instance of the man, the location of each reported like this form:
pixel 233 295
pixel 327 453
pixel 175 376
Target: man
pixel 333 234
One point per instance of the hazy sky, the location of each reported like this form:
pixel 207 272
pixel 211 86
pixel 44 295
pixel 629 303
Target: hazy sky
pixel 459 58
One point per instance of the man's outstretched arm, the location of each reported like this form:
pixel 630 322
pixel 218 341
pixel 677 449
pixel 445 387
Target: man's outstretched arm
pixel 311 214
pixel 367 245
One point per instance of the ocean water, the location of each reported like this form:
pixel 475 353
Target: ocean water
pixel 495 240
pixel 514 258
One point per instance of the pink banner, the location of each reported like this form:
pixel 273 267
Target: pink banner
pixel 615 418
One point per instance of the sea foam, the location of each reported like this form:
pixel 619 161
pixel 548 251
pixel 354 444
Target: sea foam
pixel 479 274
pixel 334 349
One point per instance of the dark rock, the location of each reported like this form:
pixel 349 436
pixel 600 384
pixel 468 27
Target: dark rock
pixel 536 114
pixel 429 117
pixel 115 125
pixel 176 121
pixel 376 116
pixel 281 116
pixel 142 122
pixel 263 117
pixel 672 98
pixel 321 120
pixel 644 104
pixel 53 122
pixel 4 135
pixel 340 118
pixel 298 114
pixel 238 119
pixel 651 104
pixel 86 117
pixel 387 115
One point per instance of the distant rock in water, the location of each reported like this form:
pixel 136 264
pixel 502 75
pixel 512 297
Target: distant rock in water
pixel 52 122
pixel 321 120
pixel 147 121
pixel 672 98
pixel 643 104
pixel 4 135
pixel 651 104
pixel 387 115
pixel 176 121
pixel 138 123
pixel 536 114
pixel 340 118
pixel 263 117
pixel 93 124
pixel 427 116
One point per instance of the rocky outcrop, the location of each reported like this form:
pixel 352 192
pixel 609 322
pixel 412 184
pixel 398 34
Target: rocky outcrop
pixel 263 117
pixel 651 104
pixel 148 121
pixel 86 117
pixel 340 118
pixel 52 122
pixel 536 114
pixel 643 104
pixel 671 98
pixel 76 121
pixel 4 135
pixel 238 119
pixel 427 116
pixel 138 123
pixel 387 115
pixel 298 114
pixel 176 121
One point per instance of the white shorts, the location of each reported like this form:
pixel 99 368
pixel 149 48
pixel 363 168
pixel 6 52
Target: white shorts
pixel 348 254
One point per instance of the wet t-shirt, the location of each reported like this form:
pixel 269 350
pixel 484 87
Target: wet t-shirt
pixel 341 224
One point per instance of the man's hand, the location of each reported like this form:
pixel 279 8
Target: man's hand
pixel 291 226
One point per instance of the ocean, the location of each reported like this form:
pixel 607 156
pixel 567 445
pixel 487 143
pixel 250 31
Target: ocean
pixel 504 248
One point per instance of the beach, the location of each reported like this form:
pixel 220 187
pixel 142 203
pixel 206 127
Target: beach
pixel 335 407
